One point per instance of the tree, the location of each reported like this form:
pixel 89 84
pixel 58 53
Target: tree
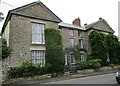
pixel 4 49
pixel 54 50
pixel 98 46
pixel 113 48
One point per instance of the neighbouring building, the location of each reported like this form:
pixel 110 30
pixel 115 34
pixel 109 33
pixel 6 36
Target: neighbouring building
pixel 72 34
pixel 24 31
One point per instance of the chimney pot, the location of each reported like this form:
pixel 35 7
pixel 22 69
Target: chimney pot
pixel 100 18
pixel 77 22
pixel 85 24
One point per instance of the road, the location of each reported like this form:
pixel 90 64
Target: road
pixel 100 79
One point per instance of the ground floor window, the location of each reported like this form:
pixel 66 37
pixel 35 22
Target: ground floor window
pixel 82 58
pixel 72 59
pixel 66 58
pixel 38 57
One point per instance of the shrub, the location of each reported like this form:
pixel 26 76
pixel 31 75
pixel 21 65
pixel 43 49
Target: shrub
pixel 26 70
pixel 54 51
pixel 90 64
pixel 98 43
pixel 94 63
pixel 4 49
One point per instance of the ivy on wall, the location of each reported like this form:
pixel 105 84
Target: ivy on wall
pixel 76 51
pixel 54 50
pixel 98 46
pixel 113 48
pixel 104 47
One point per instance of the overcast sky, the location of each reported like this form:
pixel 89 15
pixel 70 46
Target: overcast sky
pixel 87 10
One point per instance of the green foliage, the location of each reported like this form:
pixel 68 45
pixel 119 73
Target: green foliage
pixel 90 64
pixel 76 51
pixel 113 49
pixel 27 69
pixel 54 50
pixel 4 49
pixel 98 46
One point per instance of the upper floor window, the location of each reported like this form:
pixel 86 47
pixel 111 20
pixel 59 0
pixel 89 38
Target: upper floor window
pixel 71 42
pixel 81 43
pixel 71 33
pixel 80 33
pixel 38 33
pixel 71 38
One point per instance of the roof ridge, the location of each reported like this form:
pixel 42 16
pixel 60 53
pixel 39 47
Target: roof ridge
pixel 21 7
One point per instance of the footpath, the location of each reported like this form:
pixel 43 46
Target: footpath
pixel 34 80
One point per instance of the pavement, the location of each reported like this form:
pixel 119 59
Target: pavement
pixel 53 79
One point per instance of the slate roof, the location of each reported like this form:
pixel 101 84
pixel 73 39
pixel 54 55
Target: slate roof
pixel 54 18
pixel 94 24
pixel 62 24
pixel 91 25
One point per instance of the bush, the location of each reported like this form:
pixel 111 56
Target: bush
pixel 54 51
pixel 4 49
pixel 26 70
pixel 90 64
pixel 98 43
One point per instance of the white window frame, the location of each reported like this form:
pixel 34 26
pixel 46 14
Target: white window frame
pixel 38 33
pixel 80 34
pixel 81 43
pixel 72 59
pixel 66 55
pixel 71 33
pixel 71 42
pixel 38 57
pixel 82 58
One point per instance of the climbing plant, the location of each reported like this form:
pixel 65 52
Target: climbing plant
pixel 54 50
pixel 76 51
pixel 98 44
pixel 113 49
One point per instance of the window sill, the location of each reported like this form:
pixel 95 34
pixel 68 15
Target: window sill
pixel 38 44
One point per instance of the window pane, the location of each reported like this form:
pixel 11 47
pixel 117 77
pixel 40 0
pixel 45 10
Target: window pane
pixel 71 32
pixel 38 33
pixel 38 57
pixel 81 43
pixel 72 59
pixel 71 42
pixel 80 33
pixel 82 57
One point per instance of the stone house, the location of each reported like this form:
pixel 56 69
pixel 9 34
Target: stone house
pixel 100 25
pixel 24 32
pixel 72 34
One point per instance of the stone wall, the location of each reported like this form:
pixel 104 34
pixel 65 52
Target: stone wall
pixel 20 41
pixel 20 38
pixel 86 41
pixel 66 37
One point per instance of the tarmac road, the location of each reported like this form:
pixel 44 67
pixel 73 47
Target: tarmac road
pixel 99 79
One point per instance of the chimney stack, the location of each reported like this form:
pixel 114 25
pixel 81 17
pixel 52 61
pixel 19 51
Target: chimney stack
pixel 77 22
